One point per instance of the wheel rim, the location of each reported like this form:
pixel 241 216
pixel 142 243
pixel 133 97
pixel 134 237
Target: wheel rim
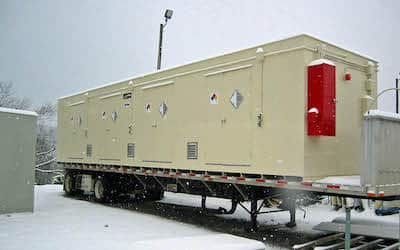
pixel 99 190
pixel 68 183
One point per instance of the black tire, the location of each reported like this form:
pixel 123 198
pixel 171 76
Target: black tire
pixel 102 190
pixel 154 195
pixel 69 184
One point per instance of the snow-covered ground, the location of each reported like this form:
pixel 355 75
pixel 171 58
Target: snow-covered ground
pixel 60 222
pixel 315 214
pixel 273 230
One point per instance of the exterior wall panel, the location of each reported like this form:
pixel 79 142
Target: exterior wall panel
pixel 17 154
pixel 381 149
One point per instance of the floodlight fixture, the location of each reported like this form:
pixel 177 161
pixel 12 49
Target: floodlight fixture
pixel 168 14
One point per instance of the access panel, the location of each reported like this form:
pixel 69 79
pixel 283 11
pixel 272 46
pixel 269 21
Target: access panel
pixel 321 112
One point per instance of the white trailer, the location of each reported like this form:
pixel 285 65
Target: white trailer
pixel 281 119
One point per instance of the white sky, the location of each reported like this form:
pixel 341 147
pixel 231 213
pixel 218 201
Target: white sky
pixel 55 48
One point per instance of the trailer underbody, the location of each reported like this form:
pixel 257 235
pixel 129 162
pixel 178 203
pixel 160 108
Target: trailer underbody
pixel 151 183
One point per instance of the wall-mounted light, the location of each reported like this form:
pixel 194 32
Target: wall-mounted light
pixel 347 76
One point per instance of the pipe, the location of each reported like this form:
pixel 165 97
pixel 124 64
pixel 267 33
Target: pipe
pixel 397 96
pixel 381 93
pixel 348 229
pixel 160 46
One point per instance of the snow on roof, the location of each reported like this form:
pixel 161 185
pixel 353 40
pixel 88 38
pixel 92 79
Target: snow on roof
pixel 18 111
pixel 321 61
pixel 382 114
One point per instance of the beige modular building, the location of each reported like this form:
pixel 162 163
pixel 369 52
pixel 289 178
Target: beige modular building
pixel 17 164
pixel 250 112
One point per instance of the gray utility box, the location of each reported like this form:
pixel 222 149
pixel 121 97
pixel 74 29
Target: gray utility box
pixel 17 160
pixel 381 154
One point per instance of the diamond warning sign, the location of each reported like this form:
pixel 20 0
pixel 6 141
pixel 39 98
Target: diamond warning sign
pixel 236 99
pixel 214 98
pixel 163 109
pixel 147 108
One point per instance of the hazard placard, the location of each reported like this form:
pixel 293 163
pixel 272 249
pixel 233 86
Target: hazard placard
pixel 214 98
pixel 236 99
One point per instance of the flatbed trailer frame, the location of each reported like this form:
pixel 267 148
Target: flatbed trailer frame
pixel 379 192
pixel 237 187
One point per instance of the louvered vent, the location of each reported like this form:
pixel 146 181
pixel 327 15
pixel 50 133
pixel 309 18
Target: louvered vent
pixel 89 150
pixel 131 150
pixel 127 95
pixel 192 150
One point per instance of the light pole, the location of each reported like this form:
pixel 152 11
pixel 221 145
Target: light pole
pixel 397 94
pixel 167 15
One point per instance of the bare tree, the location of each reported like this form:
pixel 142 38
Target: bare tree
pixel 9 100
pixel 47 110
pixel 46 127
pixel 46 144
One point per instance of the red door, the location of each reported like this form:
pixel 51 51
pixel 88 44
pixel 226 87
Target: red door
pixel 321 112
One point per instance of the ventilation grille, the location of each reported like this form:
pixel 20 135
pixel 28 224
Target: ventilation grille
pixel 192 150
pixel 127 95
pixel 131 150
pixel 89 150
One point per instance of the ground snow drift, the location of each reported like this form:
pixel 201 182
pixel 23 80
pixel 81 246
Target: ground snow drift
pixel 62 223
pixel 209 242
pixel 66 223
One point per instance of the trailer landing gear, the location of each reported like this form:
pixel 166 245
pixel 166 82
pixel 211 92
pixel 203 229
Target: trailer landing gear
pixel 291 201
pixel 288 204
pixel 255 210
pixel 253 215
pixel 220 210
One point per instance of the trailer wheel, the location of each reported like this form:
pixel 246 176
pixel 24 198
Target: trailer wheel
pixel 154 194
pixel 101 190
pixel 69 184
